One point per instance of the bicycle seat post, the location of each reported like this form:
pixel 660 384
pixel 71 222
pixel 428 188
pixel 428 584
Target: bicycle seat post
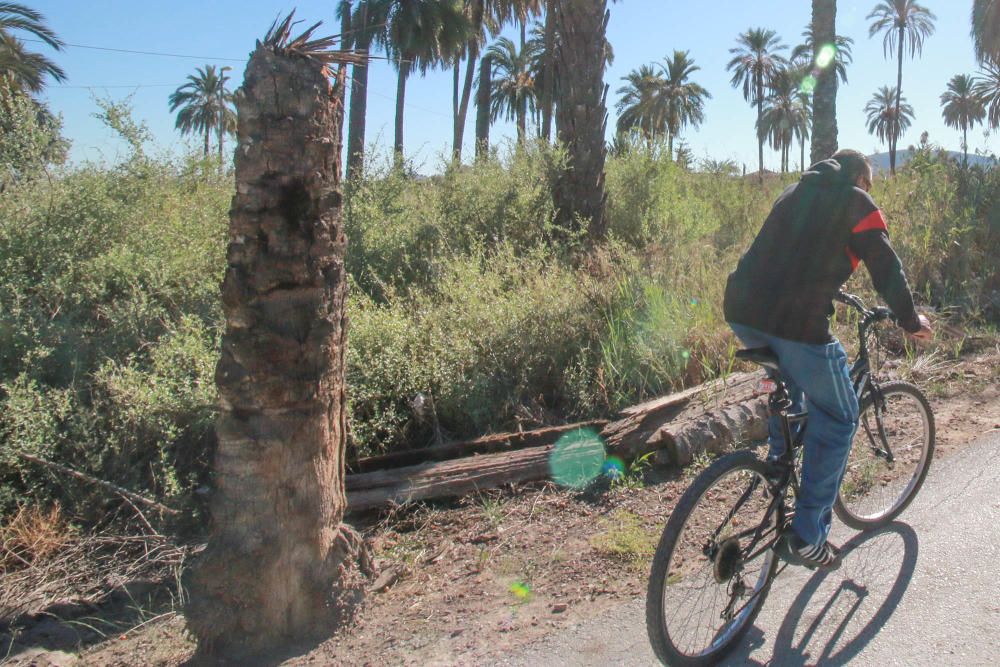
pixel 778 404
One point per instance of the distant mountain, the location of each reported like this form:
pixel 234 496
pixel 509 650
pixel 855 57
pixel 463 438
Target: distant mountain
pixel 880 161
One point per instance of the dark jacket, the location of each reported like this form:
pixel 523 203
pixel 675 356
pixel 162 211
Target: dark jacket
pixel 810 244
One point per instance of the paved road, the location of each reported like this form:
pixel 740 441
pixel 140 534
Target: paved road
pixel 924 591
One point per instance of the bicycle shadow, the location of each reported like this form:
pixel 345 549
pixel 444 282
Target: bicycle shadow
pixel 837 614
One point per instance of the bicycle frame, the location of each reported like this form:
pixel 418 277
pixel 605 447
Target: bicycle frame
pixel 793 427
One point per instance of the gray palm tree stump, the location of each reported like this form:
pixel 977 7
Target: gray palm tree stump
pixel 280 564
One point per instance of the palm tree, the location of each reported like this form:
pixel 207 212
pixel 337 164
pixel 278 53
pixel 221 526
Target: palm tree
pixel 419 35
pixel 205 105
pixel 365 23
pixel 641 107
pixel 20 69
pixel 786 115
pixel 581 113
pixel 888 116
pixel 988 90
pixel 278 551
pixel 485 17
pixel 755 62
pixel 684 100
pixel 962 107
pixel 512 90
pixel 821 35
pixel 903 22
pixel 986 29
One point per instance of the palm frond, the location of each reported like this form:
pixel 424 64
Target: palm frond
pixel 279 39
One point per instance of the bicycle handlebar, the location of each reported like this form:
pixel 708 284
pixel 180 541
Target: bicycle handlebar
pixel 868 317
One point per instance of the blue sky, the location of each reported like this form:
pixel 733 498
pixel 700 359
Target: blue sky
pixel 641 31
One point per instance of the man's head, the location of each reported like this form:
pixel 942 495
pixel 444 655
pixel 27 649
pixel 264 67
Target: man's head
pixel 855 167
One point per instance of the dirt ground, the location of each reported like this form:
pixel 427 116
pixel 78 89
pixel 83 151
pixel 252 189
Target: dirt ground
pixel 466 582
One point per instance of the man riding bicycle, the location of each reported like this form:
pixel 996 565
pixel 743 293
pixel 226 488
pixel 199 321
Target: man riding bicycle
pixel 781 296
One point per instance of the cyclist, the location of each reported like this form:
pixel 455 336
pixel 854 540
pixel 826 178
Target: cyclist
pixel 781 296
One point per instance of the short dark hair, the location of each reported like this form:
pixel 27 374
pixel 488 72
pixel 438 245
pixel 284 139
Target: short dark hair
pixel 853 163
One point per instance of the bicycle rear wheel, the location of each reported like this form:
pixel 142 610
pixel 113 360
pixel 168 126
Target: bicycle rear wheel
pixel 889 459
pixel 713 566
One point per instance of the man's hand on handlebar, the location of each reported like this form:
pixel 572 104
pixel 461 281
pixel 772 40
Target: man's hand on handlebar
pixel 925 334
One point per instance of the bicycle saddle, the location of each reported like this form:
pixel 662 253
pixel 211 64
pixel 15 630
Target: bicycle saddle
pixel 760 355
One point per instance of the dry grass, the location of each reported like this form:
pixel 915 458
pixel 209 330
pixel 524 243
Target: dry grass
pixel 32 535
pixel 45 562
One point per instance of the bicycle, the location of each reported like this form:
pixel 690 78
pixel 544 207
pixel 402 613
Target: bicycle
pixel 718 542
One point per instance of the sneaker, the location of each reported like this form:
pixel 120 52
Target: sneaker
pixel 793 549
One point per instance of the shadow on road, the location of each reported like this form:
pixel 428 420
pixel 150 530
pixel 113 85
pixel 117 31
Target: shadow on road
pixel 837 614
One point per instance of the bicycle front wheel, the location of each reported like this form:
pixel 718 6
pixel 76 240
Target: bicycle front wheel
pixel 889 459
pixel 714 563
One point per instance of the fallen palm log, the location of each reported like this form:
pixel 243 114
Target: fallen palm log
pixel 706 418
pixel 447 478
pixel 489 444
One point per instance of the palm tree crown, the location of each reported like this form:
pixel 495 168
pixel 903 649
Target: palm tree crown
pixel 512 89
pixel 421 34
pixel 986 29
pixel 904 20
pixel 21 69
pixel 988 90
pixel 204 105
pixel 883 120
pixel 755 62
pixel 641 105
pixel 962 107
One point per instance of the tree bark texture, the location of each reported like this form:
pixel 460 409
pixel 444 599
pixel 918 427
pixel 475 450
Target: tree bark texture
pixel 359 109
pixel 483 108
pixel 824 29
pixel 280 565
pixel 581 114
pixel 404 72
pixel 547 97
pixel 896 130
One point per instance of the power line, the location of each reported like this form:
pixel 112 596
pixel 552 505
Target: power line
pixel 142 53
pixel 180 55
pixel 135 85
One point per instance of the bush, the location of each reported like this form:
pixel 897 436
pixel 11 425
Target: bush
pixel 469 311
pixel 109 326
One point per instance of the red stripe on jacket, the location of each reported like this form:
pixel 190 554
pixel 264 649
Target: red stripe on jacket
pixel 873 220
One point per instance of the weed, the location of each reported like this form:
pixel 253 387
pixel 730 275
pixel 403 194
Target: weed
pixel 624 538
pixel 698 464
pixel 492 508
pixel 632 478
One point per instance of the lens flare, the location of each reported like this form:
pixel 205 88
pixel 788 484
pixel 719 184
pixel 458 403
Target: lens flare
pixel 521 591
pixel 826 55
pixel 577 459
pixel 614 468
pixel 808 84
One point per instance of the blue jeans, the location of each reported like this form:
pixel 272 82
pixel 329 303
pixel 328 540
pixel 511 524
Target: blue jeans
pixel 821 372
